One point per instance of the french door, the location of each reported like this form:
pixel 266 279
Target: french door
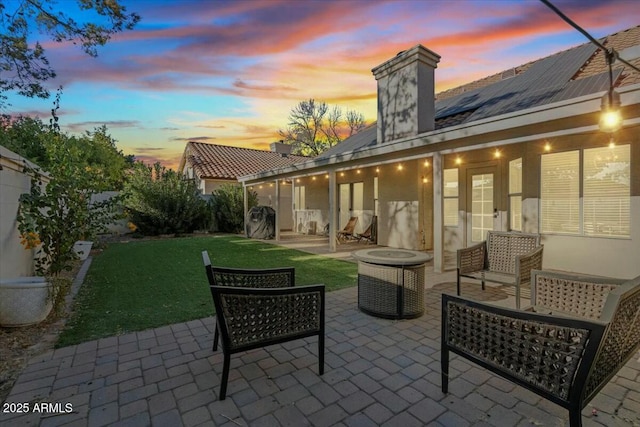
pixel 482 196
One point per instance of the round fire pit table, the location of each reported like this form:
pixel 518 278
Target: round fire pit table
pixel 391 282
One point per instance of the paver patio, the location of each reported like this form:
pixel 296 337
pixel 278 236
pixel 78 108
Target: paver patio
pixel 378 372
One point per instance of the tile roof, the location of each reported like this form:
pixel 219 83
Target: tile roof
pixel 212 161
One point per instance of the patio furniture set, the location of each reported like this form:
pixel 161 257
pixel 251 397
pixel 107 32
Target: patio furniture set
pixel 578 332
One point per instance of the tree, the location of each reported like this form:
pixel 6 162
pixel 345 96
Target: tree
pixel 97 151
pixel 23 65
pixel 313 127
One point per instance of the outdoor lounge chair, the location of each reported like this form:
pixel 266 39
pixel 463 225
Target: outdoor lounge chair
pixel 578 333
pixel 348 232
pixel 370 235
pixel 257 308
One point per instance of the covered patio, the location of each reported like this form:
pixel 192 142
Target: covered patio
pixel 378 372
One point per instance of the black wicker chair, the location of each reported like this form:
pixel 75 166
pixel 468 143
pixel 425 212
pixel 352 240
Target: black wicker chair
pixel 578 334
pixel 253 310
pixel 282 277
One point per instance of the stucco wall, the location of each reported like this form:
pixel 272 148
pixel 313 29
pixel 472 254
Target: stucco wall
pixel 15 261
pixel 398 220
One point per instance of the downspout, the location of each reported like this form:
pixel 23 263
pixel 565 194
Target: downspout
pixel 245 200
pixel 277 207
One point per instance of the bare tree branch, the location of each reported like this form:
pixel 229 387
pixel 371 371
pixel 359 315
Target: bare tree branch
pixel 312 127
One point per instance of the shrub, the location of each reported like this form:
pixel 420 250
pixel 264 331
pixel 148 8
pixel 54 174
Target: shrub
pixel 56 212
pixel 227 204
pixel 160 201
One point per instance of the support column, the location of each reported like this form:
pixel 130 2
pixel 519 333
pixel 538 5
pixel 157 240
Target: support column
pixel 333 210
pixel 245 203
pixel 277 208
pixel 438 219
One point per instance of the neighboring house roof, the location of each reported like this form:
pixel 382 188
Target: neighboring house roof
pixel 572 73
pixel 212 161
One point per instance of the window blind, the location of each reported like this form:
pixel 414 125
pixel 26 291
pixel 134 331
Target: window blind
pixel 606 191
pixel 560 192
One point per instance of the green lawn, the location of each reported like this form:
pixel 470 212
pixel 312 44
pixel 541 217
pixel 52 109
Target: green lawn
pixel 144 284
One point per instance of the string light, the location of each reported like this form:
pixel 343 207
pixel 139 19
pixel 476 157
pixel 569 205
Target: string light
pixel 547 147
pixel 458 160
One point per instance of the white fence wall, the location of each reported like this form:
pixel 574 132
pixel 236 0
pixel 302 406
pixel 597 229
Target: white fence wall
pixel 15 260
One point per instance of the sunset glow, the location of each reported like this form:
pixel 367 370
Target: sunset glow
pixel 229 72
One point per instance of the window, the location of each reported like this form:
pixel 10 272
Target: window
pixel 604 209
pixel 606 191
pixel 299 201
pixel 450 194
pixel 560 192
pixel 515 194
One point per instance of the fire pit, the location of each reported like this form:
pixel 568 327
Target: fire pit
pixel 391 282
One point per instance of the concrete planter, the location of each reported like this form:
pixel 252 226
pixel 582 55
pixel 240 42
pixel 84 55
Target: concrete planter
pixel 82 248
pixel 24 301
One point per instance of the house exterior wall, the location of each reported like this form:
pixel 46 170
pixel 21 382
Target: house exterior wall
pixel 267 197
pixel 399 216
pixel 598 255
pixel 314 216
pixel 15 260
pixel 605 256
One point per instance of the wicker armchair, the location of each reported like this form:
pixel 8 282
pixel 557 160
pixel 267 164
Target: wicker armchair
pixel 578 334
pixel 505 257
pixel 254 317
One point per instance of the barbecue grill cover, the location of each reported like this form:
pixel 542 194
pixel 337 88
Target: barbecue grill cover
pixel 261 223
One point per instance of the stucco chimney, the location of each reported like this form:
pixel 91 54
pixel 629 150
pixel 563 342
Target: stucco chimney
pixel 280 147
pixel 406 94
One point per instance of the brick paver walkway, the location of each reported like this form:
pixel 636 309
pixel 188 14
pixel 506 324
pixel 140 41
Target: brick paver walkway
pixel 378 372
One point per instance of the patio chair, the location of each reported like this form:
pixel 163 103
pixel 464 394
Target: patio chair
pixel 578 333
pixel 255 310
pixel 370 235
pixel 348 232
pixel 282 277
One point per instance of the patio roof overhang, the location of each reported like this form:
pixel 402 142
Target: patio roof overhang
pixel 570 117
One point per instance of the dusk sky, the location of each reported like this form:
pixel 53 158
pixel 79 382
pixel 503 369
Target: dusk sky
pixel 229 72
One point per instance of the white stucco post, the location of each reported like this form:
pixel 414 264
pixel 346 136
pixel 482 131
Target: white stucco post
pixel 438 223
pixel 277 208
pixel 333 210
pixel 245 201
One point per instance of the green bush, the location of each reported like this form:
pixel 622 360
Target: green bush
pixel 227 204
pixel 160 201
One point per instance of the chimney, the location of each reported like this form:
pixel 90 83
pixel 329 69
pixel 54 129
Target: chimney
pixel 280 147
pixel 406 94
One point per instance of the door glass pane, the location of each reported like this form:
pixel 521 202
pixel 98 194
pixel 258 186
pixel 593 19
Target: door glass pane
pixel 481 206
pixel 515 209
pixel 358 196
